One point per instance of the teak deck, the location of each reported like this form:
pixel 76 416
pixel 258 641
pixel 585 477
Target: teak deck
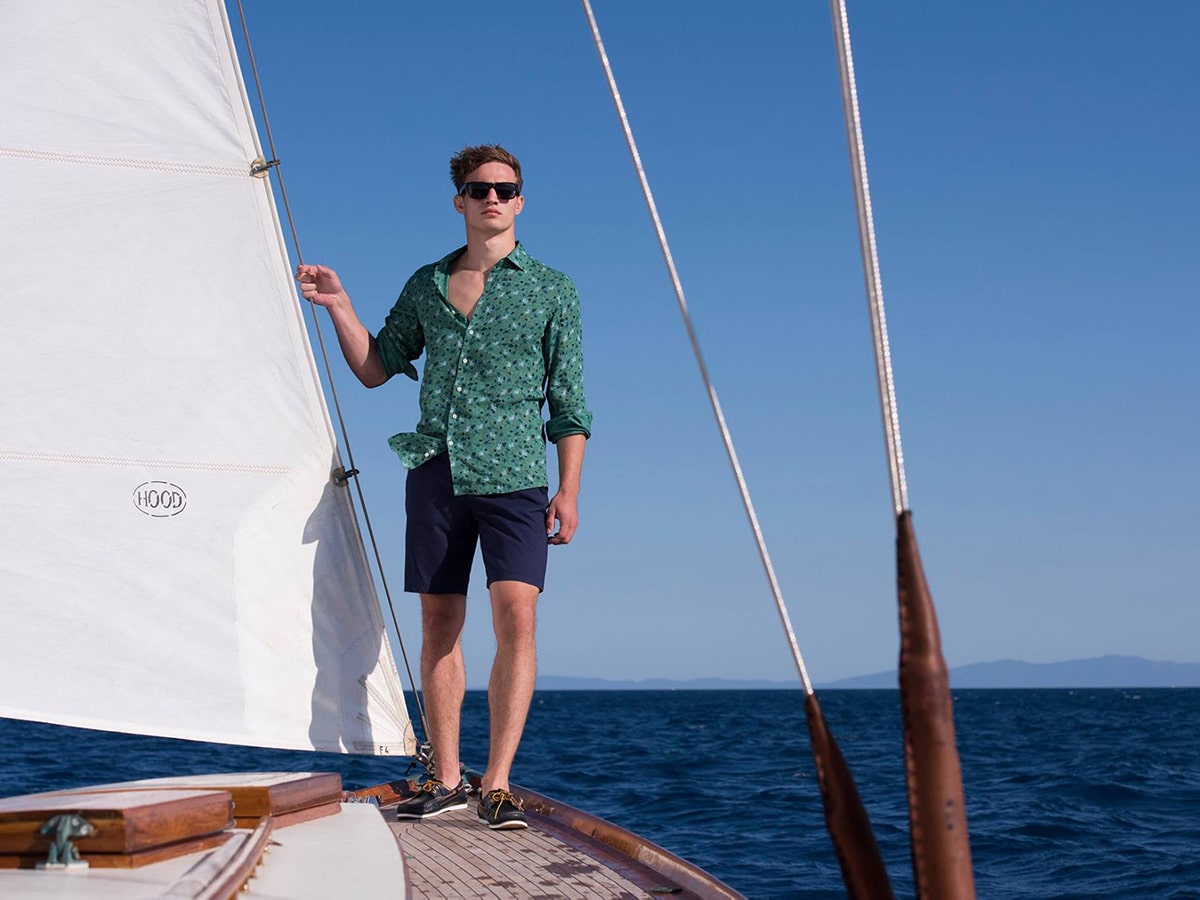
pixel 564 853
pixel 456 855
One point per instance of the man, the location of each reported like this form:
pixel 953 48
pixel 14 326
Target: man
pixel 501 336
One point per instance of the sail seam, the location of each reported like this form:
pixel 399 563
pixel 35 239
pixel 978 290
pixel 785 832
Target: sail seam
pixel 122 162
pixel 141 463
pixel 386 703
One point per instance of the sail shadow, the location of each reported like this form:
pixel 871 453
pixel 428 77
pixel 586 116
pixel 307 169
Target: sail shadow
pixel 347 628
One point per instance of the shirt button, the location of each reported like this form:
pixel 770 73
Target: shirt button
pixel 454 415
pixel 458 389
pixel 470 332
pixel 428 452
pixel 449 443
pixel 464 359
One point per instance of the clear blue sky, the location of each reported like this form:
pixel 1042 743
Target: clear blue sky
pixel 1033 170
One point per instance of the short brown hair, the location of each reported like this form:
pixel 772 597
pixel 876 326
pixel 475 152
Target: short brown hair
pixel 468 159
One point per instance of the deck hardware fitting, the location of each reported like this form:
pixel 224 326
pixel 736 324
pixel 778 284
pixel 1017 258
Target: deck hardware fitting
pixel 63 853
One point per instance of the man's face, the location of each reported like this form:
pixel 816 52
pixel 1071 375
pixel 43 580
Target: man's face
pixel 490 215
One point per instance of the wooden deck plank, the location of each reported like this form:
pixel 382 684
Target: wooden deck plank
pixel 456 855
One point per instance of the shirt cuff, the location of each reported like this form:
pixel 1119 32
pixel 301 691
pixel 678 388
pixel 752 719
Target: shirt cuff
pixel 565 424
pixel 394 362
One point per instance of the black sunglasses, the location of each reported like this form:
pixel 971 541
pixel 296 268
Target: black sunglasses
pixel 478 190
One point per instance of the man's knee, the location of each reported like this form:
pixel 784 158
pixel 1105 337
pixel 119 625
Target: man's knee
pixel 442 618
pixel 514 611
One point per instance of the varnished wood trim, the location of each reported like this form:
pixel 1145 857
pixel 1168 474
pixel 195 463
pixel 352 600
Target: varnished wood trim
pixel 297 816
pixel 221 875
pixel 125 860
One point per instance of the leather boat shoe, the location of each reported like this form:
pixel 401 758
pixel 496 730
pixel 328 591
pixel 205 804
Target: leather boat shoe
pixel 502 811
pixel 432 799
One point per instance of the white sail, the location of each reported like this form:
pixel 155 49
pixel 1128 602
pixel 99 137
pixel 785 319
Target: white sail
pixel 174 557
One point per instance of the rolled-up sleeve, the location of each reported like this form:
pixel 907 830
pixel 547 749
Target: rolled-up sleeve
pixel 562 347
pixel 401 340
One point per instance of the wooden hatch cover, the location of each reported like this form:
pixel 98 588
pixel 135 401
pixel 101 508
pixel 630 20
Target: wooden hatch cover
pixel 288 797
pixel 128 828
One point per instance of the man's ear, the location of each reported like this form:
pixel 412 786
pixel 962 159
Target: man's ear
pixel 458 204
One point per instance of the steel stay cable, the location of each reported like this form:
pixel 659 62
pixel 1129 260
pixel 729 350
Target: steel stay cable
pixel 726 437
pixel 938 834
pixel 870 258
pixel 352 471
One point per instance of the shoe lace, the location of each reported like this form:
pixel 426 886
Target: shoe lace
pixel 498 796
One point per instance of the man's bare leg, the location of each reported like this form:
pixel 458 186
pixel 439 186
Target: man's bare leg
pixel 510 688
pixel 443 677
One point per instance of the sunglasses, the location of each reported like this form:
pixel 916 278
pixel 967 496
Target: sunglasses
pixel 478 190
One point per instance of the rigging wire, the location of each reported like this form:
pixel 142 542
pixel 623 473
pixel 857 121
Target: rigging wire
pixel 351 472
pixel 941 850
pixel 726 437
pixel 870 258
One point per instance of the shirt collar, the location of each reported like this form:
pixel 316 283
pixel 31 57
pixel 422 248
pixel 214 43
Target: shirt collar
pixel 517 259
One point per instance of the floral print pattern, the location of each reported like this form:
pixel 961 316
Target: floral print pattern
pixel 487 379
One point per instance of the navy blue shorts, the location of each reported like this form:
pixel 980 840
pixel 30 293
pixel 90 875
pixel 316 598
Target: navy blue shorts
pixel 442 531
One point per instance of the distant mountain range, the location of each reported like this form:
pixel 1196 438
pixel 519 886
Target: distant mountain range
pixel 1100 672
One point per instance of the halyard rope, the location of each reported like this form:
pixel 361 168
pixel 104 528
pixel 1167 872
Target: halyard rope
pixel 351 471
pixel 691 332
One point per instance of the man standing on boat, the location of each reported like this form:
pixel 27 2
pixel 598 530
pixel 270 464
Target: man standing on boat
pixel 501 334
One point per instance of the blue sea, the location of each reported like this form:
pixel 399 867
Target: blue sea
pixel 1070 793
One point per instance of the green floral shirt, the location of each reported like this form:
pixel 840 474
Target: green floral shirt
pixel 487 379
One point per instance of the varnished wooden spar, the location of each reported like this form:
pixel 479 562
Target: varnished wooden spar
pixel 941 849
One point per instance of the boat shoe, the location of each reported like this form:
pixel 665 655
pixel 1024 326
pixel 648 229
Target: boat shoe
pixel 502 811
pixel 432 799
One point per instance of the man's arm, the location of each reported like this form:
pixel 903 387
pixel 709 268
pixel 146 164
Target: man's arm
pixel 565 505
pixel 321 285
pixel 570 423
